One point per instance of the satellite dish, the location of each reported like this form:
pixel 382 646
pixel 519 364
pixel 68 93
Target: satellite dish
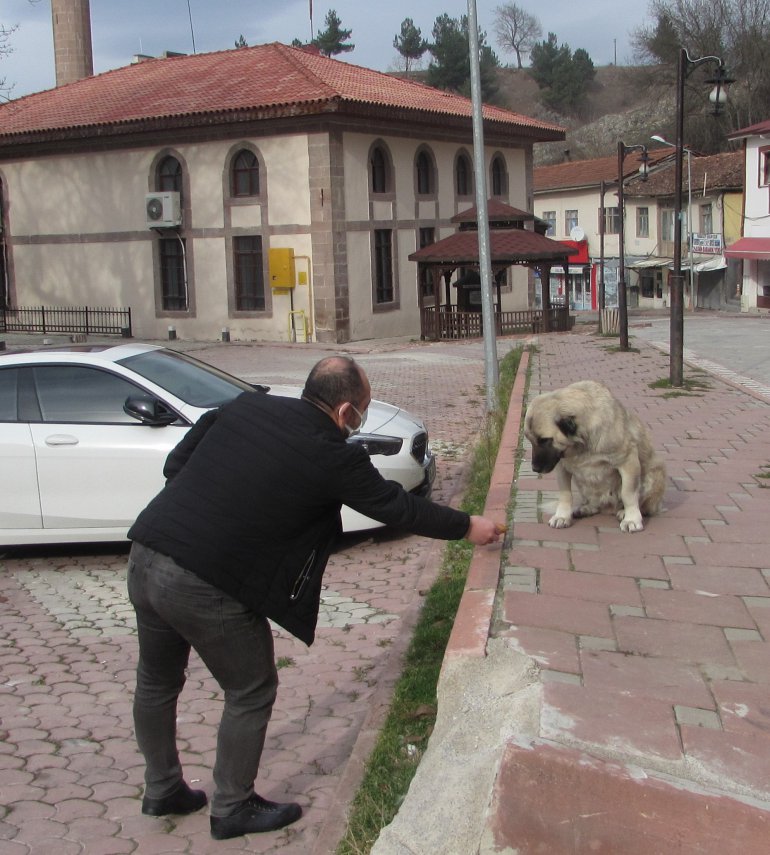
pixel 576 233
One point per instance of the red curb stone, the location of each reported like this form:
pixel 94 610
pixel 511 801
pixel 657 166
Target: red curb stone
pixel 471 626
pixel 601 807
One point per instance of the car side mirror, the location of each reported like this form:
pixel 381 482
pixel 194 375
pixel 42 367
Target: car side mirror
pixel 149 411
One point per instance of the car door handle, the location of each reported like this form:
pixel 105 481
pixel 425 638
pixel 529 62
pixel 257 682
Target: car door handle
pixel 61 439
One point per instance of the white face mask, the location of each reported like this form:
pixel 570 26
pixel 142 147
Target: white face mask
pixel 362 421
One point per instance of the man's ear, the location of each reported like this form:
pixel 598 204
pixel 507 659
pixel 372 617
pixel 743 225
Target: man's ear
pixel 567 425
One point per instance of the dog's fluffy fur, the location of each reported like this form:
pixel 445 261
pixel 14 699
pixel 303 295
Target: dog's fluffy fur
pixel 598 448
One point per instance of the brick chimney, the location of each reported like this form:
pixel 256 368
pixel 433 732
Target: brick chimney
pixel 72 40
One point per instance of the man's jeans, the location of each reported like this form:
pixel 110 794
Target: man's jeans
pixel 174 611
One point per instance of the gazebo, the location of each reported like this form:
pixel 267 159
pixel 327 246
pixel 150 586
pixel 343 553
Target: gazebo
pixel 510 243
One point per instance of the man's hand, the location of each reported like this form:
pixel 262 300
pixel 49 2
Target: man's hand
pixel 483 531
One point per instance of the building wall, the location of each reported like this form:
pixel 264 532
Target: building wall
pixel 77 233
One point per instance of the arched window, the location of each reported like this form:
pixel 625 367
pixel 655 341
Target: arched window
pixel 463 175
pixel 379 170
pixel 245 174
pixel 499 179
pixel 425 175
pixel 169 175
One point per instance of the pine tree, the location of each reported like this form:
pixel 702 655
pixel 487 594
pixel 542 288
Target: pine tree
pixel 333 39
pixel 410 43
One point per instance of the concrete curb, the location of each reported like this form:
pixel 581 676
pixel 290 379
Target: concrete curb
pixel 474 615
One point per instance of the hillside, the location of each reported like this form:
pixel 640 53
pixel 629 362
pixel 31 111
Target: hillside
pixel 619 107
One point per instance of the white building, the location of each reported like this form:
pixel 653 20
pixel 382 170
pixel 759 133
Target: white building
pixel 268 190
pixel 580 200
pixel 753 249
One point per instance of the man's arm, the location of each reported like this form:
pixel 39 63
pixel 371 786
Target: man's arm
pixel 181 453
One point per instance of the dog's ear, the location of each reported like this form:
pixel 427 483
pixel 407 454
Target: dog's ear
pixel 567 425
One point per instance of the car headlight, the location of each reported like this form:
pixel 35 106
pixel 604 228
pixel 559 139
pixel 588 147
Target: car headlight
pixel 375 444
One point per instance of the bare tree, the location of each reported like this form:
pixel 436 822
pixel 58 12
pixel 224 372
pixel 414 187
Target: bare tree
pixel 738 31
pixel 5 49
pixel 516 30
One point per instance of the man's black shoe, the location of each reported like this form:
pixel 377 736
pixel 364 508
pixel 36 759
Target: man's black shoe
pixel 182 800
pixel 254 816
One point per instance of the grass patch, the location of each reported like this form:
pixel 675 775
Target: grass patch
pixel 691 386
pixel 409 724
pixel 763 474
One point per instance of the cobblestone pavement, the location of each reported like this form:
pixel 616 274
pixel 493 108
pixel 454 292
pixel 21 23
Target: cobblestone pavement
pixel 70 774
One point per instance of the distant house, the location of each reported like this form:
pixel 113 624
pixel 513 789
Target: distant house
pixel 579 198
pixel 752 251
pixel 266 190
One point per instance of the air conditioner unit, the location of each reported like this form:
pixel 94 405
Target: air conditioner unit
pixel 163 210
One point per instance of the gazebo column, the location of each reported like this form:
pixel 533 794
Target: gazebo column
pixel 545 292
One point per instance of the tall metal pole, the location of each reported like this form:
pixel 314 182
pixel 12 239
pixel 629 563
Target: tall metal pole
pixel 491 371
pixel 602 293
pixel 622 298
pixel 689 227
pixel 676 280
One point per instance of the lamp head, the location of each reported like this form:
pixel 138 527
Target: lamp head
pixel 718 95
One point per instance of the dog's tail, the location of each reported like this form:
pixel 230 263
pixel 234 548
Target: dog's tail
pixel 653 487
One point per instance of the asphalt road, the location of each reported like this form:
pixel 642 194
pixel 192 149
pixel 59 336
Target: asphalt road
pixel 738 342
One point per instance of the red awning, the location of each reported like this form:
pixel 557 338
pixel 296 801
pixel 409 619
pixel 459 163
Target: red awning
pixel 749 247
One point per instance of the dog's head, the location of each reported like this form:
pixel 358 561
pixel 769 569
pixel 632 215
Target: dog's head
pixel 551 430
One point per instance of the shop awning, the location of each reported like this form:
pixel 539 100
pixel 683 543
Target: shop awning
pixel 750 247
pixel 652 261
pixel 703 264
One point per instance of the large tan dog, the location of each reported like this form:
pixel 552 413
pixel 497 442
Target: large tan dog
pixel 599 448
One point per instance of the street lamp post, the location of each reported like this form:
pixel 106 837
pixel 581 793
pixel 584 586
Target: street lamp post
pixel 623 150
pixel 676 280
pixel 660 139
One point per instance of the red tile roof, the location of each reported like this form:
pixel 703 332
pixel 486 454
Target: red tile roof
pixel 261 81
pixel 752 130
pixel 710 174
pixel 497 212
pixel 505 245
pixel 578 174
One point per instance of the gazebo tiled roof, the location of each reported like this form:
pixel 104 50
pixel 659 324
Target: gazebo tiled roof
pixel 507 246
pixel 497 212
pixel 243 84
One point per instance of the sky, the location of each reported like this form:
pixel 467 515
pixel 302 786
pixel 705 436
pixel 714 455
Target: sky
pixel 122 28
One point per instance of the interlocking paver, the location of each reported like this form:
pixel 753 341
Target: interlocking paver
pixel 68 650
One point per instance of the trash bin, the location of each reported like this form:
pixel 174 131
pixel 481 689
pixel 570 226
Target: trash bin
pixel 611 321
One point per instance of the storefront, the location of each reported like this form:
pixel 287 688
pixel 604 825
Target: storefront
pixel 576 290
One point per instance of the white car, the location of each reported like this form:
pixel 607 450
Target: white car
pixel 85 431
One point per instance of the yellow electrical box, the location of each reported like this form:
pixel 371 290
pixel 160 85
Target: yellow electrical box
pixel 281 263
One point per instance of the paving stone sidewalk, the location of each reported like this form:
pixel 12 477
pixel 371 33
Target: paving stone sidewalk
pixel 70 774
pixel 654 647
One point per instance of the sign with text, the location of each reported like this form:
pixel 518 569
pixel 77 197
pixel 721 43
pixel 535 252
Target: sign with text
pixel 707 244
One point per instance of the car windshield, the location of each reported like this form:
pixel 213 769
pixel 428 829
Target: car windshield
pixel 193 381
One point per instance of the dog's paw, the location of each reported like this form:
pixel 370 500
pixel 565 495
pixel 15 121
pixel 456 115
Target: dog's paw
pixel 560 522
pixel 631 522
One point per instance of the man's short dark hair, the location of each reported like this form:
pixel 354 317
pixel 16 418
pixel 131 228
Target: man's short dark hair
pixel 335 380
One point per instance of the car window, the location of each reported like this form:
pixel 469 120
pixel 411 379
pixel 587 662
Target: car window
pixel 78 393
pixel 187 378
pixel 9 385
